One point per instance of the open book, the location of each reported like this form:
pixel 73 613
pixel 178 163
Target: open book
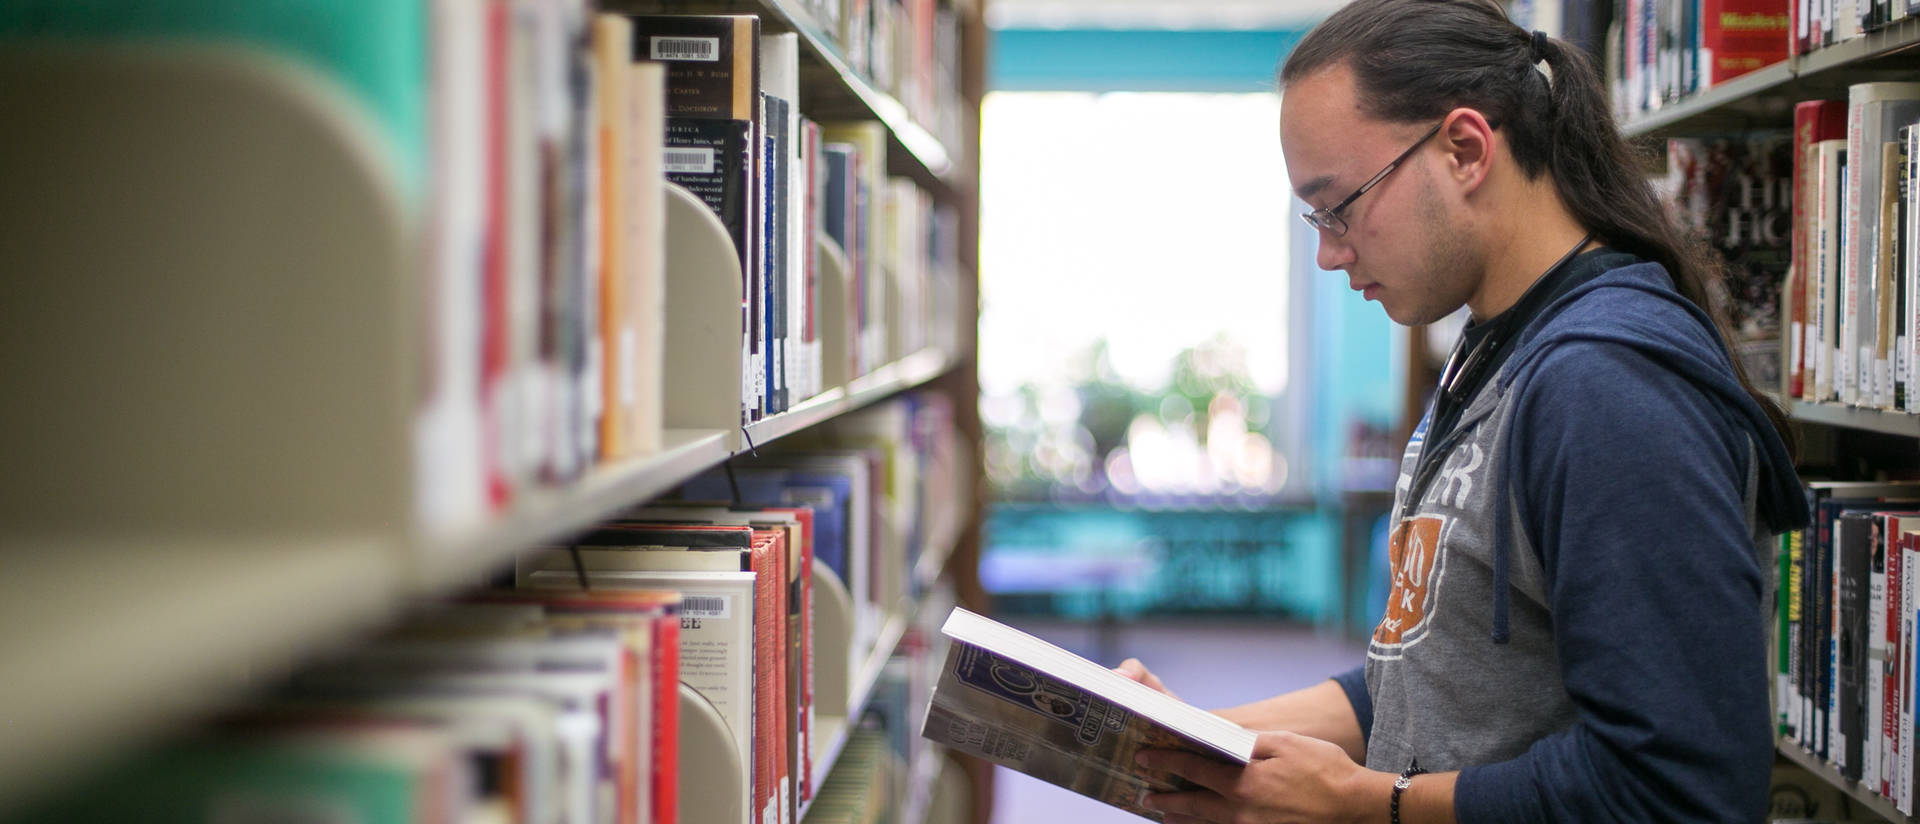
pixel 1021 702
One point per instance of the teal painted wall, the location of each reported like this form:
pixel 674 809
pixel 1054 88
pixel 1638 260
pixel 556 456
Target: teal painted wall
pixel 1130 60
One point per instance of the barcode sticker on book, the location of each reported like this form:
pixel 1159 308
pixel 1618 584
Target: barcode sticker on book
pixel 686 48
pixel 692 160
pixel 706 606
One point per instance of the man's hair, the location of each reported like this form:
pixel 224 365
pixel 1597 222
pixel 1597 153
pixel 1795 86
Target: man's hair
pixel 1415 60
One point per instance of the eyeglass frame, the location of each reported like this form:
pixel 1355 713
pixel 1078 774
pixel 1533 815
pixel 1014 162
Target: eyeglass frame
pixel 1329 219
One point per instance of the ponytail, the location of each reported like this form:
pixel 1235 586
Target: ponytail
pixel 1415 60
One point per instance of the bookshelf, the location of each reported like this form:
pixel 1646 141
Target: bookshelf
pixel 844 92
pixel 221 339
pixel 1765 99
pixel 1826 772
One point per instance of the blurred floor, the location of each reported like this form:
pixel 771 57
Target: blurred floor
pixel 1210 664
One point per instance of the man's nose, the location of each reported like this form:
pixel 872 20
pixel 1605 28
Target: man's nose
pixel 1334 253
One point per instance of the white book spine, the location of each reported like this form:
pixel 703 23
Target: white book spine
pixel 1852 367
pixel 1832 158
pixel 1876 630
pixel 1910 268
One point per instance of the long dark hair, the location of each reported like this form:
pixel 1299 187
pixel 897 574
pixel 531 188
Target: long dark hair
pixel 1415 60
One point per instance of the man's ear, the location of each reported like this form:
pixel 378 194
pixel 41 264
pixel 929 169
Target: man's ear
pixel 1470 143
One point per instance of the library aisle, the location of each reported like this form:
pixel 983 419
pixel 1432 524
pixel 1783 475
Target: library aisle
pixel 1193 657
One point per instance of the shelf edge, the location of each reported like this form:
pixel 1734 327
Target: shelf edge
pixel 1826 772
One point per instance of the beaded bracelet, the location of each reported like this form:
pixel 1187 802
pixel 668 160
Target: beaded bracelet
pixel 1400 785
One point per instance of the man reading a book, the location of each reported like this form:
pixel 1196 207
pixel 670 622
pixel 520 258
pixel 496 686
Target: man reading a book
pixel 1582 533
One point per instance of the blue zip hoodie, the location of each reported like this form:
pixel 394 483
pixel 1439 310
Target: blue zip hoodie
pixel 1612 667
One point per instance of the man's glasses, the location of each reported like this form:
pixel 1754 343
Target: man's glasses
pixel 1329 220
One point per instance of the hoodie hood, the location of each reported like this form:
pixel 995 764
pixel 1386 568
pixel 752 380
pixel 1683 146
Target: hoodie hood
pixel 1634 298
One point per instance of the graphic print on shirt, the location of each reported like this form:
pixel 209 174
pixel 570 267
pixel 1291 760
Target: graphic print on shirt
pixel 1418 567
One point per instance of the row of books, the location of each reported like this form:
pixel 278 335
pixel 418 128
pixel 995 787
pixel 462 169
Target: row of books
pixel 1850 302
pixel 903 694
pixel 1661 51
pixel 560 708
pixel 557 129
pixel 1818 24
pixel 558 699
pixel 863 499
pixel 887 484
pixel 909 49
pixel 1849 599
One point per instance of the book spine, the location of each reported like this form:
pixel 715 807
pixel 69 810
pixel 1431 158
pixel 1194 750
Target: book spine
pixel 1809 118
pixel 666 713
pixel 1793 583
pixel 1851 366
pixel 1885 253
pixel 1827 264
pixel 1889 673
pixel 1909 579
pixel 1872 665
pixel 1909 345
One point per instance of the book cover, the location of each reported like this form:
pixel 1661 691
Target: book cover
pixel 1022 703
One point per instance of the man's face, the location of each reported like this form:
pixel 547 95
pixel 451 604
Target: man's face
pixel 1402 247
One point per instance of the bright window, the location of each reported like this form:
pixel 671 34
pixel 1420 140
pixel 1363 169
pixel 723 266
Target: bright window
pixel 1134 260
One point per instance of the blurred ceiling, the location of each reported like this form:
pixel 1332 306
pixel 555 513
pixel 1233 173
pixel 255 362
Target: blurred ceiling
pixel 1158 14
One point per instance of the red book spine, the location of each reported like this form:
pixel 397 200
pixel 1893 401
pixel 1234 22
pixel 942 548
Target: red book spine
pixel 494 331
pixel 1890 687
pixel 772 546
pixel 805 575
pixel 626 720
pixel 666 717
pixel 1744 35
pixel 1813 121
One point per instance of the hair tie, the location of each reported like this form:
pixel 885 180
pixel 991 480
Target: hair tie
pixel 1540 44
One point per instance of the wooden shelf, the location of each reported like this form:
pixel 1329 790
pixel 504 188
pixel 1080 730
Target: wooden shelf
pixel 1765 98
pixel 1853 417
pixel 1826 772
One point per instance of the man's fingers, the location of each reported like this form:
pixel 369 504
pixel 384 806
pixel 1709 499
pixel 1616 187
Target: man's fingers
pixel 1181 808
pixel 1206 772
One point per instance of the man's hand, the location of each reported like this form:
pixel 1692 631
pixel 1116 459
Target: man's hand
pixel 1292 778
pixel 1132 668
